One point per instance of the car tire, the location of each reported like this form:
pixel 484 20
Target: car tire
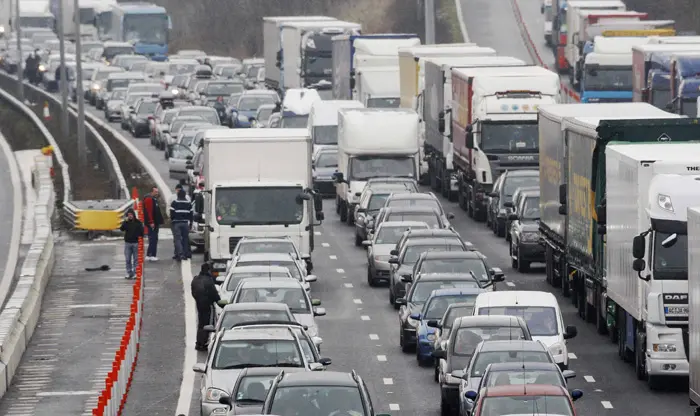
pixel 343 212
pixel 445 408
pixel 523 266
pixel 370 279
pixel 402 342
pixel 392 299
pixel 358 240
pixel 436 376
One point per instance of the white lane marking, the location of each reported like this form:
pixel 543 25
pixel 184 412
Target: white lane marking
pixel 572 356
pixel 606 404
pixel 373 337
pixel 394 406
pixel 340 270
pixel 187 386
pixel 317 233
pixel 348 285
pixel 325 245
pixel 510 284
pixel 388 381
pixel 589 379
pixel 381 358
pixel 333 257
pixel 357 301
pixel 364 317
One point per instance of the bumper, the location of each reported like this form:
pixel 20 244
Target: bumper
pixel 409 336
pixel 531 252
pixel 114 114
pixel 450 394
pixel 425 349
pixel 213 409
pixel 668 367
pixel 325 188
pixel 196 239
pixel 141 129
pixel 379 272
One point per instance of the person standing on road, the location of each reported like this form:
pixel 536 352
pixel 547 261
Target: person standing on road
pixel 153 219
pixel 205 296
pixel 181 216
pixel 133 230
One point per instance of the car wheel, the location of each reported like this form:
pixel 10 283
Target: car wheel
pixel 370 278
pixel 445 409
pixel 436 376
pixel 392 300
pixel 404 347
pixel 358 240
pixel 343 212
pixel 523 266
pixel 513 259
pixel 500 230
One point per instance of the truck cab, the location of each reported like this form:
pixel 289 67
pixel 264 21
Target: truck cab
pixel 296 107
pixel 378 87
pixel 548 14
pixel 323 122
pixel 655 57
pixel 685 68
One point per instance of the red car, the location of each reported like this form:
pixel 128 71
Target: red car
pixel 525 399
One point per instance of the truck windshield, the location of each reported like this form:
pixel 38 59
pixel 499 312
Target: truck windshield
pixel 670 263
pixel 608 78
pixel 317 66
pixel 269 205
pixel 36 21
pixel 295 122
pixel 87 15
pixel 146 28
pixel 327 135
pixel 386 102
pixel 660 97
pixel 510 137
pixel 366 167
pixel 689 107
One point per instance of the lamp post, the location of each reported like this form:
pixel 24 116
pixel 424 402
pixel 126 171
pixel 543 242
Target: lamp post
pixel 20 64
pixel 79 87
pixel 62 83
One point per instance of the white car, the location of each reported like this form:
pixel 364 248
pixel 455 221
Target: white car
pixel 284 244
pixel 228 283
pixel 541 312
pixel 274 259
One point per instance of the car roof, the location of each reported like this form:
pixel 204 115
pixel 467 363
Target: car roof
pixel 257 269
pixel 197 107
pixel 390 179
pixel 439 277
pixel 430 241
pixel 399 224
pixel 264 257
pixel 318 378
pixel 126 75
pixel 517 298
pixel 256 306
pixel 525 172
pixel 431 232
pixel 437 293
pixel 271 283
pixel 512 345
pixel 259 333
pixel 452 255
pixel 411 195
pixel 525 390
pixel 487 320
pixel 523 366
pixel 414 208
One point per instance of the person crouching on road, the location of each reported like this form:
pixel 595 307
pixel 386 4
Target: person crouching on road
pixel 133 230
pixel 181 216
pixel 205 296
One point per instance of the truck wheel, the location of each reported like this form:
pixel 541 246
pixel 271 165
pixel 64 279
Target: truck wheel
pixel 343 212
pixel 358 240
pixel 433 180
pixel 639 359
pixel 460 200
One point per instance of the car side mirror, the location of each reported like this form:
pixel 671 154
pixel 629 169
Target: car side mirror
pixel 542 9
pixel 562 210
pixel 310 278
pixel 512 217
pixel 450 216
pixel 576 394
pixel 225 400
pixel 400 301
pixel 470 395
pixel 562 194
pixel 508 205
pixel 325 361
pixel 406 278
pixel 638 265
pixel 433 323
pixel 570 332
pixel 319 312
pixel 394 252
pixel 497 275
pixel 199 368
pixel 494 194
pixel 219 279
pixel 568 374
pixel 439 354
pixel 315 302
pixel 209 328
pixel 393 260
pixel 415 316
pixel 366 243
pixel 638 247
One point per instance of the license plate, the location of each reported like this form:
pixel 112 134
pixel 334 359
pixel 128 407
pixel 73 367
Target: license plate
pixel 676 310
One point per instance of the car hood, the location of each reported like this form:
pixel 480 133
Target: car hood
pixel 115 104
pixel 382 249
pixel 224 379
pixel 529 226
pixel 548 341
pixel 307 320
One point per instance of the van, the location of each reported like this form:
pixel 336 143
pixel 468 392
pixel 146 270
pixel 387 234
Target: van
pixel 541 312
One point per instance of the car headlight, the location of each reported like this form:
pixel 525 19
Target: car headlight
pixel 530 237
pixel 664 347
pixel 431 337
pixel 556 349
pixel 175 92
pixel 382 258
pixel 412 322
pixel 96 87
pixel 214 394
pixel 42 68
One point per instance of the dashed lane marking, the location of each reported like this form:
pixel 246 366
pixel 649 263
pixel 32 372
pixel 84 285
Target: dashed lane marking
pixel 589 379
pixel 357 301
pixel 606 404
pixel 340 270
pixel 373 337
pixel 333 257
pixel 388 381
pixel 572 356
pixel 510 284
pixel 381 358
pixel 325 245
pixel 348 285
pixel 364 317
pixel 394 406
pixel 317 233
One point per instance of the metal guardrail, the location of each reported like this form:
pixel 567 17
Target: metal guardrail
pixel 90 215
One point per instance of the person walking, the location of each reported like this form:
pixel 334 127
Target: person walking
pixel 205 296
pixel 181 216
pixel 133 230
pixel 153 219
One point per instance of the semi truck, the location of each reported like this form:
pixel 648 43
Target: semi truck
pixel 272 45
pixel 350 53
pixel 651 64
pixel 494 126
pixel 258 184
pixel 323 121
pixel 306 59
pixel 685 83
pixel 435 109
pixel 373 143
pixel 86 13
pixel 694 306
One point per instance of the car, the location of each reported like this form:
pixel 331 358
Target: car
pixel 428 215
pixel 525 247
pixel 170 133
pixel 421 199
pixel 284 259
pixel 324 164
pixel 111 49
pixel 512 206
pixel 138 121
pixel 89 69
pixel 552 400
pixel 504 188
pixel 262 116
pixel 284 244
pixel 310 345
pixel 541 312
pixel 247 107
pixel 402 266
pixel 506 374
pixel 466 333
pixel 489 352
pixel 238 313
pixel 455 261
pixel 380 246
pixel 417 294
pixel 332 392
pixel 113 106
pixel 410 184
pixel 226 70
pixel 236 349
pixel 128 105
pixel 152 88
pixel 287 291
pixel 248 394
pixel 443 329
pixel 117 80
pixel 371 201
pixel 229 106
pixel 182 152
pixel 99 77
pixel 229 283
pixel 434 308
pixel 275 121
pixel 125 60
pixel 221 88
pixel 161 126
pixel 207 113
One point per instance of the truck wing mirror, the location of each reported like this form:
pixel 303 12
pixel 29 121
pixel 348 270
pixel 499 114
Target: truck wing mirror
pixel 601 212
pixel 562 194
pixel 469 138
pixel 638 247
pixel 441 122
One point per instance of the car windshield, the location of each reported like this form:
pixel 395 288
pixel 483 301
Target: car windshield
pixel 437 306
pixel 132 98
pixel 317 401
pixel 392 235
pixel 147 108
pixel 252 102
pixel 208 115
pixel 223 88
pixel 267 247
pixel 670 263
pixel 179 68
pixel 512 183
pixel 237 277
pixel 527 405
pixel 542 321
pixel 418 202
pixel 467 339
pixel 432 220
pixel 420 292
pixel 476 266
pixel 326 135
pixel 524 376
pixel 365 167
pixel 413 252
pixel 118 95
pixel 484 358
pixel 253 389
pixel 377 201
pixel 453 313
pixel 229 319
pixel 294 297
pixel 289 265
pixel 327 160
pixel 257 353
pixel 531 208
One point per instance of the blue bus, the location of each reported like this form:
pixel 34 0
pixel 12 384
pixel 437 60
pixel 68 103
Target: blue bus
pixel 145 25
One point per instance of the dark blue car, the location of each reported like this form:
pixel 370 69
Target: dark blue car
pixel 247 106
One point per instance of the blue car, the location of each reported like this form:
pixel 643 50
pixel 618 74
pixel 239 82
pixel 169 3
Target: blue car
pixel 245 110
pixel 434 308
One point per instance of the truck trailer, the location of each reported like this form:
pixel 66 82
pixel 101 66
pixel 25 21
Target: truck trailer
pixel 654 60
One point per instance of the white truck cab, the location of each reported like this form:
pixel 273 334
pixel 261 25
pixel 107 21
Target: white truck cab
pixel 548 13
pixel 323 122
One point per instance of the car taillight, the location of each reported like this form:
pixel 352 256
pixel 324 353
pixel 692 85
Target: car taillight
pixel 562 38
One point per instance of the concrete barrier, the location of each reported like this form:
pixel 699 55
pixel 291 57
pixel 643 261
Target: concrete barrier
pixel 21 313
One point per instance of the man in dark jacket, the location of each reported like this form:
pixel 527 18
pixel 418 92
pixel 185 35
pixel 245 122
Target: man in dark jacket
pixel 153 219
pixel 133 230
pixel 206 296
pixel 181 217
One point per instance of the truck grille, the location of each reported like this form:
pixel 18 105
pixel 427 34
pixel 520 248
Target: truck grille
pixel 232 243
pixel 686 341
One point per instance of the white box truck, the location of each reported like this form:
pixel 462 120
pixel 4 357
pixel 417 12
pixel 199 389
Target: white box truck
pixel 323 121
pixel 272 45
pixel 258 183
pixel 373 143
pixel 694 305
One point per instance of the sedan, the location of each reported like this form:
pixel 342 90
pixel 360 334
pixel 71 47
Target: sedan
pixel 138 122
pixel 284 245
pixel 248 394
pixel 275 259
pixel 471 262
pixel 324 164
pixel 525 247
pixel 247 107
pixel 380 246
pixel 229 283
pixel 552 400
pixel 114 104
pixel 128 106
pixel 443 329
pixel 419 199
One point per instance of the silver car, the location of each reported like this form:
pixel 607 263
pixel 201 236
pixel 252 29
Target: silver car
pixel 113 106
pixel 380 246
pixel 275 259
pixel 229 283
pixel 282 244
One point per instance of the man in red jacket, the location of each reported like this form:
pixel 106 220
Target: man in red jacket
pixel 153 218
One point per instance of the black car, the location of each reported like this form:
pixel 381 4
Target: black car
pixel 139 119
pixel 371 202
pixel 318 393
pixel 456 261
pixel 515 203
pixel 525 247
pixel 248 394
pixel 503 190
